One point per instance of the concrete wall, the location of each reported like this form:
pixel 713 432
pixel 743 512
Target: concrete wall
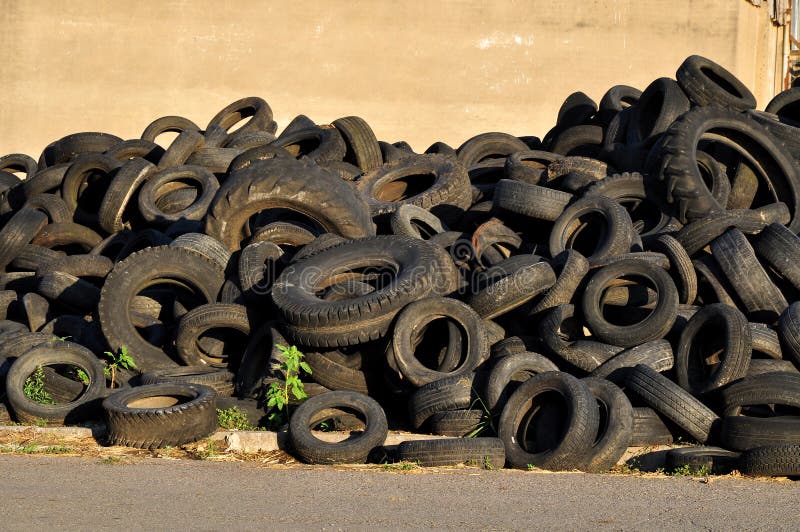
pixel 415 70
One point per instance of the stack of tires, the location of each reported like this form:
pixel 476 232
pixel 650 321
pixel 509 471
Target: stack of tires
pixel 631 278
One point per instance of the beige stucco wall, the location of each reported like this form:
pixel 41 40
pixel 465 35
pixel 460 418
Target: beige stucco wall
pixel 415 70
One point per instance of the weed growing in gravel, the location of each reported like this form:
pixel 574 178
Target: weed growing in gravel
pixel 111 460
pixel 400 466
pixel 278 393
pixel 686 471
pixel 118 360
pixel 34 388
pixel 233 418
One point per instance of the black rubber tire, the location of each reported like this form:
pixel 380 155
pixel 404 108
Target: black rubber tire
pixel 256 109
pixel 321 145
pixel 771 461
pixel 81 408
pixel 422 270
pixel 412 320
pixel 68 148
pixel 617 234
pixel 410 220
pixel 160 426
pixel 298 186
pixel 779 388
pixel 530 200
pixel 18 232
pixel 528 166
pixel 678 167
pixel 33 257
pixel 69 290
pixel 701 459
pixel 762 300
pixel 619 97
pixel 742 433
pixel 691 353
pixel 220 380
pixel 457 423
pixel 765 341
pixel 789 332
pixel 168 124
pixel 656 325
pixel 203 318
pixel 707 83
pixel 329 373
pixel 673 402
pixel 555 330
pixel 504 373
pixel 448 196
pixel 121 191
pixel 150 193
pixel 634 191
pixel 84 175
pixel 254 366
pixel 451 393
pixel 258 266
pixel 659 105
pixel 136 272
pixel 649 428
pixel 656 354
pixel 780 248
pixel 574 268
pixel 698 234
pixel 574 437
pixel 136 149
pixel 488 453
pixel 362 145
pixel 760 366
pixel 490 145
pixel 207 246
pixel 351 451
pixel 616 426
pixel 52 205
pixel 511 284
pixel 581 140
pixel 680 266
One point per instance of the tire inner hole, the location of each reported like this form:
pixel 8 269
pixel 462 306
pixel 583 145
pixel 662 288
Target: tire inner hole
pixel 55 384
pixel 544 423
pixel 405 187
pixel 339 419
pixel 629 300
pixel 439 345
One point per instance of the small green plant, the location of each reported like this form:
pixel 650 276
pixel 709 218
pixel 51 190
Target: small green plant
pixel 325 426
pixel 687 471
pixel 486 423
pixel 487 464
pixel 278 392
pixel 118 360
pixel 61 338
pixel 233 418
pixel 532 467
pixel 34 388
pixel 111 460
pixel 400 466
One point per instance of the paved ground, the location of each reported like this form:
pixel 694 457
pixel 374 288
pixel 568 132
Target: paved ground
pixel 41 492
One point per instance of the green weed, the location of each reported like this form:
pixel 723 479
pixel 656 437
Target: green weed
pixel 233 418
pixel 278 393
pixel 118 360
pixel 34 388
pixel 400 466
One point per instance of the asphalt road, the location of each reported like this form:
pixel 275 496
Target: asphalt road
pixel 40 492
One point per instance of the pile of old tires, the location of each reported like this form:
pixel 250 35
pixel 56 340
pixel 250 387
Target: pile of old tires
pixel 630 279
